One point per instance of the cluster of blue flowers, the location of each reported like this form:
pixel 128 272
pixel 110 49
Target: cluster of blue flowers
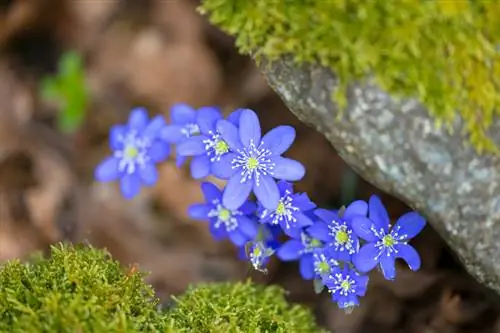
pixel 335 248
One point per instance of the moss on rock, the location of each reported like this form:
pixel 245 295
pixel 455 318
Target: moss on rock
pixel 445 53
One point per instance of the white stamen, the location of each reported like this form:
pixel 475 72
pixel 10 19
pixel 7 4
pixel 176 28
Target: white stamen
pixel 253 154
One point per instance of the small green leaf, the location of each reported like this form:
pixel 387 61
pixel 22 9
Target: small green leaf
pixel 318 286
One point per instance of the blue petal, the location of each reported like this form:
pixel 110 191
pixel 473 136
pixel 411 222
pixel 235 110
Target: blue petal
pixel 247 226
pixel 302 220
pixel 237 237
pixel 287 169
pixel 267 192
pixel 210 191
pixel 138 119
pixel 154 128
pixel 218 233
pixel 193 146
pixel 236 193
pixel 358 207
pixel 388 266
pixel 173 134
pixel 248 207
pixel 179 160
pixel 130 185
pixel 249 128
pixel 116 135
pixel 199 211
pixel 159 151
pixel 149 174
pixel 320 231
pixel 361 285
pixel 306 267
pixel 234 117
pixel 207 118
pixel 408 254
pixel 327 215
pixel 182 114
pixel 292 232
pixel 223 168
pixel 290 250
pixel 408 226
pixel 378 214
pixel 107 170
pixel 367 258
pixel 279 139
pixel 362 228
pixel 200 167
pixel 229 133
pixel 302 202
pixel 285 187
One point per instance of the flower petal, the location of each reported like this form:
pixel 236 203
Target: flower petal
pixel 287 169
pixel 361 284
pixel 210 191
pixel 249 128
pixel 182 114
pixel 199 211
pixel 237 237
pixel 107 170
pixel 408 254
pixel 218 233
pixel 200 167
pixel 408 226
pixel 362 228
pixel 179 160
pixel 138 119
pixel 223 168
pixel 192 147
pixel 306 267
pixel 302 202
pixel 236 192
pixel 247 226
pixel 388 266
pixel 173 134
pixel 149 174
pixel 154 128
pixel 279 139
pixel 206 118
pixel 302 220
pixel 326 215
pixel 358 207
pixel 290 250
pixel 234 117
pixel 267 192
pixel 159 151
pixel 116 135
pixel 130 185
pixel 319 230
pixel 230 134
pixel 285 187
pixel 367 258
pixel 378 214
pixel 248 207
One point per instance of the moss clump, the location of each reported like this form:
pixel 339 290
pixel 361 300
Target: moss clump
pixel 240 308
pixel 81 289
pixel 445 53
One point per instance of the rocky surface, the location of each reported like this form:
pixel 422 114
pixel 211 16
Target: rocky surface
pixel 395 145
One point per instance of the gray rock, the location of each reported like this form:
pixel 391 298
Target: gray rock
pixel 395 145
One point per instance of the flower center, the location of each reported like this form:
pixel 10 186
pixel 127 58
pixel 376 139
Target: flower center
pixel 315 243
pixel 388 241
pixel 224 214
pixel 225 217
pixel 345 285
pixel 341 237
pixel 131 152
pixel 190 130
pixel 215 146
pixel 323 267
pixel 221 147
pixel 253 161
pixel 281 210
pixel 134 154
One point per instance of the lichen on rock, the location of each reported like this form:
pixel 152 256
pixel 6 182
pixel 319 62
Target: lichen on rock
pixel 443 53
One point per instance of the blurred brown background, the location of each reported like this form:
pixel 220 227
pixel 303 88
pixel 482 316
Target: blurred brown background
pixel 156 53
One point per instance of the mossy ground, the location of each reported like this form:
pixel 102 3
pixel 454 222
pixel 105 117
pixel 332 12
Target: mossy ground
pixel 443 52
pixel 81 289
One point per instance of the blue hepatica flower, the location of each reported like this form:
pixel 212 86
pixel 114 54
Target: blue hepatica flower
pixel 238 225
pixel 136 150
pixel 290 213
pixel 208 148
pixel 255 162
pixel 336 231
pixel 260 250
pixel 302 249
pixel 384 246
pixel 323 263
pixel 345 286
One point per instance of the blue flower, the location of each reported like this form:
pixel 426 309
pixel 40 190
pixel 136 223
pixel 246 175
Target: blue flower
pixel 385 246
pixel 207 148
pixel 259 253
pixel 336 231
pixel 136 150
pixel 238 225
pixel 255 162
pixel 291 211
pixel 323 263
pixel 301 249
pixel 345 286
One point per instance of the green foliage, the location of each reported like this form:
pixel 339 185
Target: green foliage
pixel 81 289
pixel 240 308
pixel 68 89
pixel 442 52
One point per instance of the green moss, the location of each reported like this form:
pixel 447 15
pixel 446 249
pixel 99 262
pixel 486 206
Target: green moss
pixel 240 308
pixel 442 52
pixel 81 289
